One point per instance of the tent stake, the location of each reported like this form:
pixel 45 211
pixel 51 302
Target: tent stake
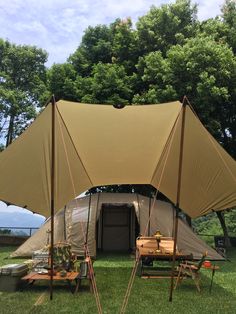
pixel 178 197
pixel 52 194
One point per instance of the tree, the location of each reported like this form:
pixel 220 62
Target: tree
pixel 22 87
pixel 220 215
pixel 214 28
pixel 219 223
pixel 229 18
pixel 61 79
pixel 166 26
pixel 108 84
pixel 230 218
pixel 96 46
pixel 156 76
pixel 124 44
pixel 5 231
pixel 205 71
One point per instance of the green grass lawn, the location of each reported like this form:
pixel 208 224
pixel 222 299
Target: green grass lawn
pixel 147 296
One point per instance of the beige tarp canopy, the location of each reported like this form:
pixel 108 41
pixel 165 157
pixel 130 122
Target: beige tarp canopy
pixel 100 145
pixel 70 220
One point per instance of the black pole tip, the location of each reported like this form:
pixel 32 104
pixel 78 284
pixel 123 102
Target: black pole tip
pixel 55 98
pixel 119 106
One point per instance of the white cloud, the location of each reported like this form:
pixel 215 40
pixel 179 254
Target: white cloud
pixel 13 209
pixel 3 207
pixel 58 25
pixel 208 9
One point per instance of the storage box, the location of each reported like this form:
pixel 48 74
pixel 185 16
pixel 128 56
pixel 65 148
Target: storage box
pixel 167 246
pixel 10 276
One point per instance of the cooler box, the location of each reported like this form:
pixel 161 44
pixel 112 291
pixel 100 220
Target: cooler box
pixel 10 276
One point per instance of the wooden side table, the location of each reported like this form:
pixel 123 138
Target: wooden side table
pixel 70 276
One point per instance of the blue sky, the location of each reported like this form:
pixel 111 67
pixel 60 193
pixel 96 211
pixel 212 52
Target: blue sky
pixel 58 25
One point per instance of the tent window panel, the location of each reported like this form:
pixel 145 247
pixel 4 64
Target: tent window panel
pixel 80 214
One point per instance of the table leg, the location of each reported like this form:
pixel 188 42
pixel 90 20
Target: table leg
pixel 212 277
pixel 31 282
pixel 77 281
pixel 70 286
pixel 178 277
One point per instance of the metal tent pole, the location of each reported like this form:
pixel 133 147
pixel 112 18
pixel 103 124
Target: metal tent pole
pixel 65 235
pixel 178 197
pixel 52 193
pixel 149 213
pixel 87 229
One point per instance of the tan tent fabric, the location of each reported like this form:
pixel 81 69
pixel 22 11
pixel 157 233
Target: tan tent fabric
pixel 216 179
pixel 101 145
pixel 25 167
pixel 41 238
pixel 113 144
pixel 162 218
pixel 77 236
pixel 208 172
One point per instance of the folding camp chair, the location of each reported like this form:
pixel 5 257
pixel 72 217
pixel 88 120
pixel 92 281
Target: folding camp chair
pixel 190 269
pixel 85 273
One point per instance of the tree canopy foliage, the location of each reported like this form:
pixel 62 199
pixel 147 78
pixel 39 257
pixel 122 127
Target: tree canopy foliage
pixel 210 224
pixel 22 87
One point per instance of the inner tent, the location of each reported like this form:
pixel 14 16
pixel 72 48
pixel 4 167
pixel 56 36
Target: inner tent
pixel 111 222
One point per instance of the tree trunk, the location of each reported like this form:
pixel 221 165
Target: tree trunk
pixel 10 131
pixel 221 217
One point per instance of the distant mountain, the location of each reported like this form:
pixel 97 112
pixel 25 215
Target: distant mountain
pixel 18 219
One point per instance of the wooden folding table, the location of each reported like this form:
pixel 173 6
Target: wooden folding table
pixel 69 278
